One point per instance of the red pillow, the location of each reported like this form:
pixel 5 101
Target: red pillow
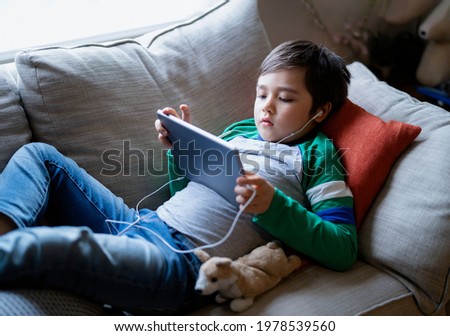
pixel 370 146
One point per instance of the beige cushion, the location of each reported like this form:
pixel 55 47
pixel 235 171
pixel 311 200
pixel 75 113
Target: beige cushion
pixel 14 128
pixel 44 302
pixel 97 103
pixel 314 290
pixel 407 231
pixel 94 104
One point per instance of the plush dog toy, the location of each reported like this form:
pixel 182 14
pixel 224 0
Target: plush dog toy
pixel 243 279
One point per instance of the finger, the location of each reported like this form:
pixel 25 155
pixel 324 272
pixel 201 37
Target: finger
pixel 242 200
pixel 170 111
pixel 243 190
pixel 251 180
pixel 160 128
pixel 185 113
pixel 164 141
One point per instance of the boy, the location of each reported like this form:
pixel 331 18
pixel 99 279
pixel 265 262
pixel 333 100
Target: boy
pixel 301 199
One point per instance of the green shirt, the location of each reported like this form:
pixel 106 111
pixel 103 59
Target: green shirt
pixel 321 225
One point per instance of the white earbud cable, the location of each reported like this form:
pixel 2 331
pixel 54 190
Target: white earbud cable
pixel 139 218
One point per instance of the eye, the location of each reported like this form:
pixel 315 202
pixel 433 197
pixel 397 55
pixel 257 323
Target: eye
pixel 213 279
pixel 261 93
pixel 286 100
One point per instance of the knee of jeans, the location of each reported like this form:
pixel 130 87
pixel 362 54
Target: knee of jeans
pixel 58 244
pixel 40 250
pixel 38 151
pixel 38 148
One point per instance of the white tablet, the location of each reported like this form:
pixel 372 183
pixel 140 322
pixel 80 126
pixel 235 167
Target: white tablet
pixel 203 157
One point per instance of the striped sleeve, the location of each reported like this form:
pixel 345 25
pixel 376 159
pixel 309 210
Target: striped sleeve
pixel 324 181
pixel 324 228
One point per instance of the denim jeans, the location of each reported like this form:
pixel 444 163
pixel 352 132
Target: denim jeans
pixel 78 250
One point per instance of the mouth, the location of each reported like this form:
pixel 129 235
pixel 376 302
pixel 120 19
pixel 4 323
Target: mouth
pixel 266 122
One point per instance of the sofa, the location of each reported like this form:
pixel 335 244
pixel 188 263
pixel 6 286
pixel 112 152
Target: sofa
pixel 97 104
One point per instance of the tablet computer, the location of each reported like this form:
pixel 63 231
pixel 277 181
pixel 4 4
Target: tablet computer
pixel 203 157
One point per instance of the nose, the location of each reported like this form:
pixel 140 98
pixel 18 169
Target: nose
pixel 198 289
pixel 268 106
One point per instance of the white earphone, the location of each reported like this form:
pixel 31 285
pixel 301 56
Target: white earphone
pixel 317 115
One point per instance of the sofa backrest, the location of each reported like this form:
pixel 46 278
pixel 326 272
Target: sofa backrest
pixel 14 128
pixel 98 103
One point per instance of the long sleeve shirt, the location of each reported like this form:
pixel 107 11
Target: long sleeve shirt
pixel 312 208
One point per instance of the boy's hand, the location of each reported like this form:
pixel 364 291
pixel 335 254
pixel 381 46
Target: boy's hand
pixel 162 132
pixel 264 193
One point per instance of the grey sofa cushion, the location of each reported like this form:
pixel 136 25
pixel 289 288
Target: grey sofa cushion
pixel 97 103
pixel 407 231
pixel 94 104
pixel 14 128
pixel 314 290
pixel 27 302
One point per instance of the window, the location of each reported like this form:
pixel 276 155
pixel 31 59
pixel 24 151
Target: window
pixel 34 23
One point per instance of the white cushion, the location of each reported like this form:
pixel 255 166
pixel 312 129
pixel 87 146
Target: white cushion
pixel 407 231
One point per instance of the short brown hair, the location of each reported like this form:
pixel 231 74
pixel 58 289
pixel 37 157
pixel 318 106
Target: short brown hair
pixel 326 77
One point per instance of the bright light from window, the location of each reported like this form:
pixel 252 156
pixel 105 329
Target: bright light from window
pixel 30 23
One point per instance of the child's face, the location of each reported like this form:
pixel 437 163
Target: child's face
pixel 282 105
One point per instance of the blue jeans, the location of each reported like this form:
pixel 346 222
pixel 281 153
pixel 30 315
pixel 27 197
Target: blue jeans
pixel 77 250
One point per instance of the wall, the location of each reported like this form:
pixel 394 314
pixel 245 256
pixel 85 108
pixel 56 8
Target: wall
pixel 289 19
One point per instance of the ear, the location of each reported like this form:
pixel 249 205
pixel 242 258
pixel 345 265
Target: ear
pixel 202 255
pixel 322 112
pixel 225 262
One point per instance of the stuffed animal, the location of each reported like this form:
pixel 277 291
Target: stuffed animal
pixel 243 279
